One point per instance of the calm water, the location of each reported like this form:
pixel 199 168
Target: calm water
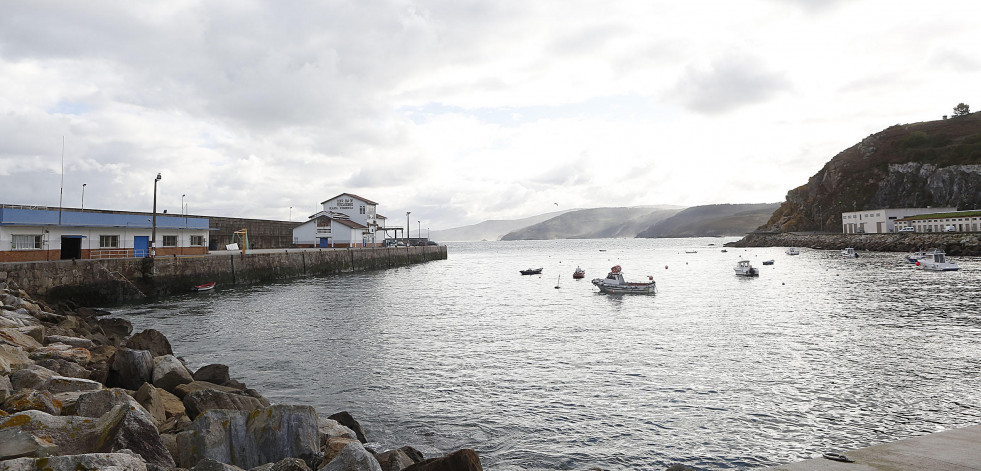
pixel 715 371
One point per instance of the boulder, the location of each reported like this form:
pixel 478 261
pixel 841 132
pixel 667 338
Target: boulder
pixel 169 372
pixel 17 318
pixel 352 458
pixel 60 384
pixel 198 402
pixel 215 373
pixel 35 332
pixel 68 401
pixel 101 353
pixel 249 439
pixel 152 340
pixel 65 368
pixel 129 369
pixel 185 389
pixel 330 428
pixel 394 460
pixel 96 404
pixel 334 447
pixel 288 464
pixel 73 341
pixel 15 443
pixel 13 336
pixel 61 351
pixel 5 387
pixel 460 460
pixel 31 399
pixel 32 377
pixel 122 461
pixel 116 329
pixel 149 397
pixel 13 358
pixel 173 406
pixel 345 419
pixel 212 465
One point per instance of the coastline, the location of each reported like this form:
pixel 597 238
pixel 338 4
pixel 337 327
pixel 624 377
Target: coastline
pixel 953 243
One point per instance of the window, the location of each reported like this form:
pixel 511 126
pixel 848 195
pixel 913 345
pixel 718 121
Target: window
pixel 25 242
pixel 197 240
pixel 170 241
pixel 362 209
pixel 108 241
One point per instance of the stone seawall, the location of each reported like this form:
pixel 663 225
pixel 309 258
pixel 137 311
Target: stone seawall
pixel 106 282
pixel 954 243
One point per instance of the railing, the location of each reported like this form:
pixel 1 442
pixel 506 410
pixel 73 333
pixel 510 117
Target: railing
pixel 110 253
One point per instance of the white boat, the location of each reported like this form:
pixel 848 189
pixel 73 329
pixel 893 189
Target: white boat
pixel 744 268
pixel 793 251
pixel 615 284
pixel 936 261
pixel 849 253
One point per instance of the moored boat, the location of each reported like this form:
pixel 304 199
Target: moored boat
pixel 744 268
pixel 793 251
pixel 936 261
pixel 204 287
pixel 532 271
pixel 615 284
pixel 849 252
pixel 768 262
pixel 579 273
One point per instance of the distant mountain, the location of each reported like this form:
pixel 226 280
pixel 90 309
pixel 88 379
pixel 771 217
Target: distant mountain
pixel 596 223
pixel 932 163
pixel 490 230
pixel 712 220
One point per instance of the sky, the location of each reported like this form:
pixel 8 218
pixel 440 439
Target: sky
pixel 459 111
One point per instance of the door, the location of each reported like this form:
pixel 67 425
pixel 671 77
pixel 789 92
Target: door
pixel 141 244
pixel 71 247
pixel 325 242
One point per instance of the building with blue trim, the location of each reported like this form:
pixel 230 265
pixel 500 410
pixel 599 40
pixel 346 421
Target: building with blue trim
pixel 37 233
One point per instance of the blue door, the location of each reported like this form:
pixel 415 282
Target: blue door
pixel 324 242
pixel 141 244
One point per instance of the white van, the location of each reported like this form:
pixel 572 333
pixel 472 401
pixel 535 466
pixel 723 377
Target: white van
pixel 950 229
pixel 908 229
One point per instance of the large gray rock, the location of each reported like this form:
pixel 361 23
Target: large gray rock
pixel 394 460
pixel 60 384
pixel 13 336
pixel 129 369
pixel 5 387
pixel 149 397
pixel 460 460
pixel 330 428
pixel 96 404
pixel 121 428
pixel 13 358
pixel 73 341
pixel 214 373
pixel 123 461
pixel 198 402
pixel 249 439
pixel 65 368
pixel 185 389
pixel 212 465
pixel 15 443
pixel 346 419
pixel 169 372
pixel 352 458
pixel 152 340
pixel 61 351
pixel 31 377
pixel 31 399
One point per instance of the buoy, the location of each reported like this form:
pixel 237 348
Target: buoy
pixel 917 263
pixel 665 267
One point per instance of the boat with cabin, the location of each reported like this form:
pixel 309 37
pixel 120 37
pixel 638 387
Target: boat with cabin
pixel 744 268
pixel 936 261
pixel 793 251
pixel 849 253
pixel 531 271
pixel 615 284
pixel 579 273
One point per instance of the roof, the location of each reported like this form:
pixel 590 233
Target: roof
pixel 349 223
pixel 352 195
pixel 954 214
pixel 23 216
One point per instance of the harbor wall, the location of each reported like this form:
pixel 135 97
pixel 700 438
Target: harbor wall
pixel 953 243
pixel 113 281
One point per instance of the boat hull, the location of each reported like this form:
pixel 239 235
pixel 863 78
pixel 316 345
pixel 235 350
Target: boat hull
pixel 640 288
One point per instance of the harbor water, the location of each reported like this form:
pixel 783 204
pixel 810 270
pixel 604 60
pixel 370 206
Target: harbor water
pixel 542 372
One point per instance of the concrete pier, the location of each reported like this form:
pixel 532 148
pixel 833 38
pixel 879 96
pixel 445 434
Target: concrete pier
pixel 951 450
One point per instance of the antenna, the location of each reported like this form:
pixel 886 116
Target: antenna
pixel 62 192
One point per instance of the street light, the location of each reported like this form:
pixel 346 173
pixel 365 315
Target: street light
pixel 83 195
pixel 419 228
pixel 407 213
pixel 153 231
pixel 291 214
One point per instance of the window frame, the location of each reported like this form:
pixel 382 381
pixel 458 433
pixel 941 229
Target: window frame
pixel 37 242
pixel 113 238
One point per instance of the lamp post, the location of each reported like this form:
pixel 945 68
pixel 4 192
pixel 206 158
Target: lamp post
pixel 83 195
pixel 291 214
pixel 153 231
pixel 419 228
pixel 407 213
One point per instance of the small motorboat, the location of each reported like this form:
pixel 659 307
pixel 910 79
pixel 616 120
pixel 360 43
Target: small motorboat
pixel 849 253
pixel 615 284
pixel 204 287
pixel 936 261
pixel 744 268
pixel 793 251
pixel 532 271
pixel 768 262
pixel 579 273
pixel 691 251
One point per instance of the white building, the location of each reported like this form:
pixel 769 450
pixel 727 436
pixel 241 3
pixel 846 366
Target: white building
pixel 880 221
pixel 32 233
pixel 347 220
pixel 954 221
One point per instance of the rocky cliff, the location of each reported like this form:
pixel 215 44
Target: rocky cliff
pixel 934 163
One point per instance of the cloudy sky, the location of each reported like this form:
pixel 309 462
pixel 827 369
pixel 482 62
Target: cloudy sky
pixel 459 110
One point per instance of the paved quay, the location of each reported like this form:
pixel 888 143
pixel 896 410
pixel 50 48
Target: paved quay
pixel 950 450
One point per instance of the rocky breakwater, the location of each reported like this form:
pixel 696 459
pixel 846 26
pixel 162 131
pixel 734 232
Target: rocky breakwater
pixel 79 391
pixel 955 243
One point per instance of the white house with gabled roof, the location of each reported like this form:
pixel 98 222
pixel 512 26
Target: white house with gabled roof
pixel 347 220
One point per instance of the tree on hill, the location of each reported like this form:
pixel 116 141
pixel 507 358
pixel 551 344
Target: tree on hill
pixel 962 110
